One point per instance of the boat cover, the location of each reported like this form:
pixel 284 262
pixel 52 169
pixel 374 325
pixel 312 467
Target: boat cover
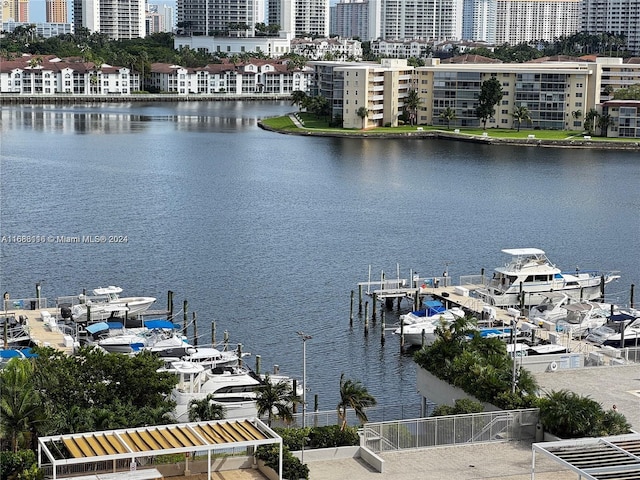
pixel 97 327
pixel 151 324
pixel 621 317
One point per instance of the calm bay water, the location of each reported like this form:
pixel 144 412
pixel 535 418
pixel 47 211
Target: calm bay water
pixel 267 234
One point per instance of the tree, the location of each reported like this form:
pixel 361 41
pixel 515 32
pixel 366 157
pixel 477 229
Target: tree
pixel 604 122
pixel 590 120
pixel 490 96
pixel 448 114
pixel 520 114
pixel 577 115
pixel 21 410
pixel 363 113
pixel 353 395
pixel 299 98
pixel 276 399
pixel 411 104
pixel 206 409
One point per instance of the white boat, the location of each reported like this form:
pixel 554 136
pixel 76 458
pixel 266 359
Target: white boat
pixel 107 303
pixel 622 330
pixel 582 317
pixel 208 357
pixel 156 335
pixel 530 271
pixel 413 332
pixel 551 309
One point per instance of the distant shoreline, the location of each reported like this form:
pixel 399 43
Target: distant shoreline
pixel 15 99
pixel 461 137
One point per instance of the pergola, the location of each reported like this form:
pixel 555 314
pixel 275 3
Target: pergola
pixel 127 445
pixel 603 458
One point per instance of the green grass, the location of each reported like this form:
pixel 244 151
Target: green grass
pixel 310 122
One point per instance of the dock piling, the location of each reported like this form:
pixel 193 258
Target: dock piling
pixel 240 354
pixel 226 340
pixel 258 363
pixel 185 318
pixel 366 318
pixel 402 335
pixel 213 333
pixel 359 299
pixel 375 303
pixel 382 332
pixel 631 302
pixel 195 330
pixel 351 309
pixel 170 305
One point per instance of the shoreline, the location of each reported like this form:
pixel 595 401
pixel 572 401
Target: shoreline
pixel 461 137
pixel 15 99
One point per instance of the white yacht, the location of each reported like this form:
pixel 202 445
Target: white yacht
pixel 622 330
pixel 582 318
pixel 413 332
pixel 531 274
pixel 155 335
pixel 107 303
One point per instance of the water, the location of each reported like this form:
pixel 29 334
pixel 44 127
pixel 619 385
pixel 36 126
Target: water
pixel 267 234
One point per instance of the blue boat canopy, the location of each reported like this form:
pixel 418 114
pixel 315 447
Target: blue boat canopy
pixel 151 324
pixel 11 354
pixel 115 325
pixel 621 317
pixel 97 327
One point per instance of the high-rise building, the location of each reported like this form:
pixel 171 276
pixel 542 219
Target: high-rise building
pixel 15 10
pixel 620 17
pixel 118 19
pixel 300 17
pixel 159 18
pixel 520 21
pixel 56 11
pixel 233 18
pixel 352 19
pixel 423 19
pixel 479 20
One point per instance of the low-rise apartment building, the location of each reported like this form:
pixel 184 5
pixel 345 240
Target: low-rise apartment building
pixel 556 92
pixel 49 75
pixel 257 76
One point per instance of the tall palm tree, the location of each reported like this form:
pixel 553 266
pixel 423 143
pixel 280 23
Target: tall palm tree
pixel 520 114
pixel 590 120
pixel 206 409
pixel 447 115
pixel 604 122
pixel 363 113
pixel 353 395
pixel 21 410
pixel 276 400
pixel 577 114
pixel 411 104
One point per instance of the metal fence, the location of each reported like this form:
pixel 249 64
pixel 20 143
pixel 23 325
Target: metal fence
pixel 451 430
pixel 374 414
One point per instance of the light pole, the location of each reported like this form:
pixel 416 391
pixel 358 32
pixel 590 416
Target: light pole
pixel 304 338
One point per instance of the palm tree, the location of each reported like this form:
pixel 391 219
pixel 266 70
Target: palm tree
pixel 577 114
pixel 521 114
pixel 447 115
pixel 276 400
pixel 206 409
pixel 590 120
pixel 21 410
pixel 411 103
pixel 604 122
pixel 363 113
pixel 299 98
pixel 353 395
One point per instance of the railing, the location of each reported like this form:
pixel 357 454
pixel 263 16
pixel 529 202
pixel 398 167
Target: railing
pixel 451 430
pixel 330 417
pixel 25 304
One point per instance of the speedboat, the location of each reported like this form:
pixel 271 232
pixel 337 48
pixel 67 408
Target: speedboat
pixel 107 303
pixel 415 332
pixel 582 317
pixel 155 335
pixel 208 357
pixel 622 330
pixel 551 309
pixel 530 275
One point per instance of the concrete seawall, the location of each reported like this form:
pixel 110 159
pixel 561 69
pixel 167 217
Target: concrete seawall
pixel 9 99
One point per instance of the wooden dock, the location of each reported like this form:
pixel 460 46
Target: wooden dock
pixel 41 331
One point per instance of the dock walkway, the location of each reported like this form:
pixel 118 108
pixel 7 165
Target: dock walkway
pixel 41 331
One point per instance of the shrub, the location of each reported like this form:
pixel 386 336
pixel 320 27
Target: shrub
pixel 461 406
pixel 292 468
pixel 318 437
pixel 20 464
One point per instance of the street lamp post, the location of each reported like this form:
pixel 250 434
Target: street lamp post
pixel 304 338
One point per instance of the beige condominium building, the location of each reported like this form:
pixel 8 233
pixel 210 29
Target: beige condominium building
pixel 557 94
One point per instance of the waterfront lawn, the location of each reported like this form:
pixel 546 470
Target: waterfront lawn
pixel 280 123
